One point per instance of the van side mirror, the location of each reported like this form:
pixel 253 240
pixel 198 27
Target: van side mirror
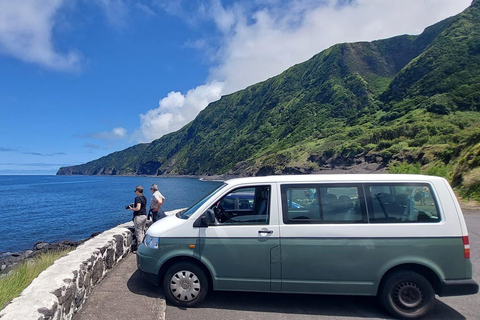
pixel 206 219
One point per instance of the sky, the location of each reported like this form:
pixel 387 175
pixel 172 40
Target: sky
pixel 80 79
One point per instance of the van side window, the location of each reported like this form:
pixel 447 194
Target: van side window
pixel 249 205
pixel 401 203
pixel 321 203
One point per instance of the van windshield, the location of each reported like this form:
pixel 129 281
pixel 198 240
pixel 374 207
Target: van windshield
pixel 187 213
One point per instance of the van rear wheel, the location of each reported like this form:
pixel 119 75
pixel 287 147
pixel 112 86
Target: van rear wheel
pixel 185 284
pixel 407 295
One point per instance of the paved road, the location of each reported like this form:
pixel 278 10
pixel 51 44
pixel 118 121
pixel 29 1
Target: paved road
pixel 260 306
pixel 123 295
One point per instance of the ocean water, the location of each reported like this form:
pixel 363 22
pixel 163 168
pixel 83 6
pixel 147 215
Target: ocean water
pixel 56 208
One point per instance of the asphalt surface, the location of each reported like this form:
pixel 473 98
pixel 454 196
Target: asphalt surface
pixel 123 294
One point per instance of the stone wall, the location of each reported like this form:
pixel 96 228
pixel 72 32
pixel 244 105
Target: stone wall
pixel 59 291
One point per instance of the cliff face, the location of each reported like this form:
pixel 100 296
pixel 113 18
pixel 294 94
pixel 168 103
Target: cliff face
pixel 124 162
pixel 408 99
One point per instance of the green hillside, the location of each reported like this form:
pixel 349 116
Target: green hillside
pixel 409 104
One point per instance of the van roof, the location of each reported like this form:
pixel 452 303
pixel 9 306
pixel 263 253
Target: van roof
pixel 307 178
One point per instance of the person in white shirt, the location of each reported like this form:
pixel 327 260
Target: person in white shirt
pixel 156 202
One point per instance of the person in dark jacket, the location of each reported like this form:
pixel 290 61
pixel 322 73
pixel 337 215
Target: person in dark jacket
pixel 139 208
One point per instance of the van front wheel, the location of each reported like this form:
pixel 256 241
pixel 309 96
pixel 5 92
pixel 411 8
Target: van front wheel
pixel 185 284
pixel 407 295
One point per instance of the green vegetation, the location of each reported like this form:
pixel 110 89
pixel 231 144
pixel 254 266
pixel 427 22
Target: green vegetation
pixel 471 184
pixel 13 283
pixel 409 104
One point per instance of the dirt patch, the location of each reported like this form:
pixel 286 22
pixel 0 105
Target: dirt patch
pixel 466 204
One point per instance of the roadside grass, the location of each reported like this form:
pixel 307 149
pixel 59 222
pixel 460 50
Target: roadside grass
pixel 13 283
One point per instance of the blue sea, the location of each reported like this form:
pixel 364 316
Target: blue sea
pixel 56 208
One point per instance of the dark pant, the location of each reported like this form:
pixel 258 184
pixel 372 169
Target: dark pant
pixel 157 215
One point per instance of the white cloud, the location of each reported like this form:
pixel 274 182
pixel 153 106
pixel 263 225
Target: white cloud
pixel 26 34
pixel 176 110
pixel 26 28
pixel 119 132
pixel 224 19
pixel 260 44
pixel 116 12
pixel 116 134
pixel 145 9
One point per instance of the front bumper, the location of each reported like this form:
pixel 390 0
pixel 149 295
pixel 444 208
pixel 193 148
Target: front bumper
pixel 147 267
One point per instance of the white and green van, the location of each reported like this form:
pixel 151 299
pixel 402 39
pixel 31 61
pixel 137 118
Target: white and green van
pixel 402 238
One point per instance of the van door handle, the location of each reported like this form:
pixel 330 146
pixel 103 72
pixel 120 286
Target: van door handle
pixel 265 231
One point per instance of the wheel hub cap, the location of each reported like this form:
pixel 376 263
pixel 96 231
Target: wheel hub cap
pixel 408 295
pixel 185 285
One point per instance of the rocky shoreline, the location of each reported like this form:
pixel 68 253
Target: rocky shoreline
pixel 9 260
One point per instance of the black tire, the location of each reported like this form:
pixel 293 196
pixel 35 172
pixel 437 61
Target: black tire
pixel 407 295
pixel 185 285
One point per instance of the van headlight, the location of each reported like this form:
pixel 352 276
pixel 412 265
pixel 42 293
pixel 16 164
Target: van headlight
pixel 151 242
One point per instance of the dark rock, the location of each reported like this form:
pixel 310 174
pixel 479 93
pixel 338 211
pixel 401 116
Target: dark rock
pixel 49 313
pixel 27 253
pixel 119 246
pixel 95 234
pixel 103 249
pixel 69 297
pixel 149 168
pixel 89 263
pixel 81 276
pixel 292 170
pixel 79 299
pixel 109 258
pixel 68 243
pixel 39 245
pixel 4 255
pixel 97 271
pixel 265 171
pixel 13 260
pixel 58 293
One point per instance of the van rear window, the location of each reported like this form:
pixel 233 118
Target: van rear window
pixel 401 203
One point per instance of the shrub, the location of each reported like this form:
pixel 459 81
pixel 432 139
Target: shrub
pixel 440 170
pixel 440 104
pixel 370 146
pixel 412 168
pixel 398 147
pixel 350 149
pixel 471 180
pixel 471 185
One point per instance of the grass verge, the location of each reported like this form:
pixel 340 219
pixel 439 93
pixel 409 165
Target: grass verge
pixel 12 284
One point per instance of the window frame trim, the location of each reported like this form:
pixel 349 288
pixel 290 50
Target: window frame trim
pixel 369 202
pixel 324 185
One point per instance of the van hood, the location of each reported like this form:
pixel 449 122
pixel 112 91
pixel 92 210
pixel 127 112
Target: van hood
pixel 163 226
